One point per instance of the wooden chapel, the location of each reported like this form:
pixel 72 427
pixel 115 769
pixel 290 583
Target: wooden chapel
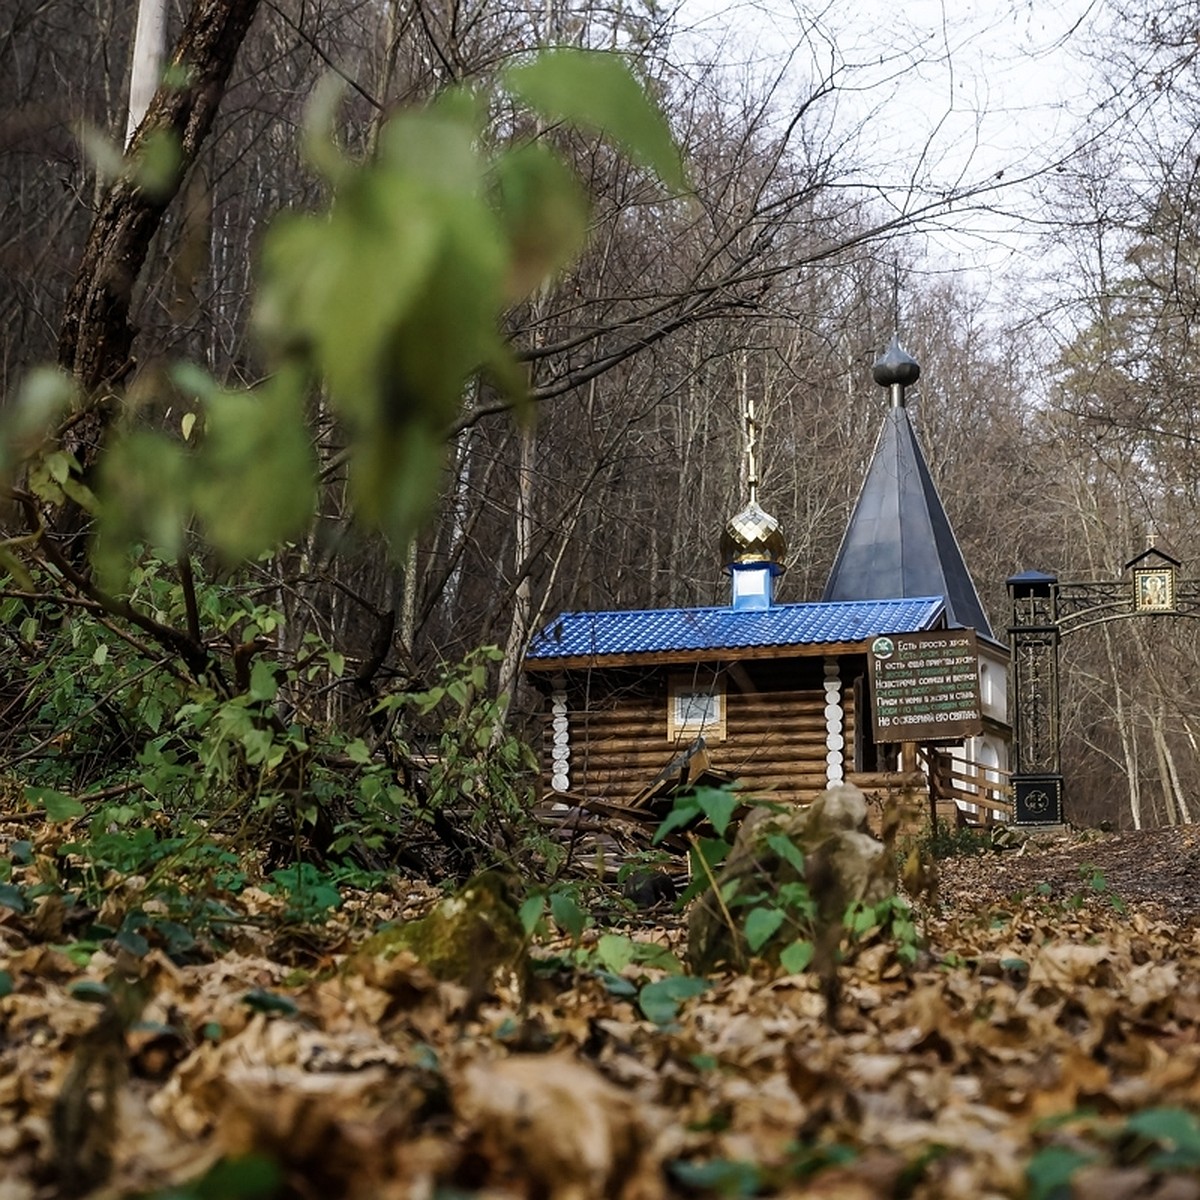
pixel 778 696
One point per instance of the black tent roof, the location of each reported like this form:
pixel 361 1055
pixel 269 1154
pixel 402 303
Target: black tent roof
pixel 899 542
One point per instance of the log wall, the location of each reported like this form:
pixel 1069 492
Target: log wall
pixel 775 728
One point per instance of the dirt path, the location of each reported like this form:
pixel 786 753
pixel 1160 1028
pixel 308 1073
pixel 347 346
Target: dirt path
pixel 1153 869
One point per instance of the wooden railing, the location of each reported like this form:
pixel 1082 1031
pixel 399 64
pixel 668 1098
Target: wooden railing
pixel 954 779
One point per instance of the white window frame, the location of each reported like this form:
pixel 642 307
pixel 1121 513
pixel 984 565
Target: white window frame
pixel 709 697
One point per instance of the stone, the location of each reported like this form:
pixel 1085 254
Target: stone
pixel 473 938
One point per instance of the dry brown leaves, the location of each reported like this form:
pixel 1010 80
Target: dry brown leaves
pixel 1044 1024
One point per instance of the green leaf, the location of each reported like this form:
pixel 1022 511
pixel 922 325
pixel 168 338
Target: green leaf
pixel 58 805
pixel 567 914
pixel 616 985
pixel 144 484
pixel 660 1001
pixel 394 477
pixel 250 1177
pixel 310 892
pixel 1050 1170
pixel 320 121
pixel 725 1177
pixel 597 90
pixel 761 924
pixel 58 464
pixel 261 1000
pixel 357 752
pixel 796 899
pixel 261 747
pixel 615 951
pixel 862 919
pixel 255 470
pixel 26 422
pixel 342 284
pixel 787 850
pixel 718 805
pixel 263 684
pixel 105 155
pixel 80 953
pixel 9 563
pixel 684 810
pixel 157 162
pixel 193 379
pixel 12 897
pixel 6 984
pixel 1175 1127
pixel 530 913
pixel 45 393
pixel 796 957
pixel 653 955
pixel 91 991
pixel 706 855
pixel 544 213
pixel 179 940
pixel 132 942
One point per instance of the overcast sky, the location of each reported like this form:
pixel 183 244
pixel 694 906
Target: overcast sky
pixel 957 92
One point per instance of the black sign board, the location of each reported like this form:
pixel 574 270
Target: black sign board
pixel 1037 799
pixel 925 686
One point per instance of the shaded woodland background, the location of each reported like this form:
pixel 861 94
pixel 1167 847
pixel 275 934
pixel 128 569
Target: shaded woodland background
pixel 1060 437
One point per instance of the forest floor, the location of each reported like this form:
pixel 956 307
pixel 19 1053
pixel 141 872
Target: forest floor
pixel 1155 870
pixel 1046 1043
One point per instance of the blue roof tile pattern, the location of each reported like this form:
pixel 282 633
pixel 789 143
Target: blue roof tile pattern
pixel 664 630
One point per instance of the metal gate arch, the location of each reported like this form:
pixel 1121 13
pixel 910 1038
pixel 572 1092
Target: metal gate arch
pixel 1044 611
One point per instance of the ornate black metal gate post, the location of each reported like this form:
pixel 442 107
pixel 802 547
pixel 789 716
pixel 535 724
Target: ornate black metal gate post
pixel 1033 645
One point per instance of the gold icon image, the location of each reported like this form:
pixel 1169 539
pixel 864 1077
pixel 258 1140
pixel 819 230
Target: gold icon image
pixel 1154 591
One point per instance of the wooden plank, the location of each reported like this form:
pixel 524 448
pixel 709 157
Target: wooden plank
pixel 654 714
pixel 592 662
pixel 887 779
pixel 747 744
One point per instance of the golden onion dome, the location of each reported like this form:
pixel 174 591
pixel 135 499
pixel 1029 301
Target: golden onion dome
pixel 753 536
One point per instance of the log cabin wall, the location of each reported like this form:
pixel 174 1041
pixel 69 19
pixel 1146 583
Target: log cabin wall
pixel 774 736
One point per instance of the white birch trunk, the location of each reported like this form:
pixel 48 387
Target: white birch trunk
pixel 149 48
pixel 522 614
pixel 1157 723
pixel 1185 813
pixel 460 505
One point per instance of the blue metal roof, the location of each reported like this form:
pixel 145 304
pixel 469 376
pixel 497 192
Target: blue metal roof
pixel 663 630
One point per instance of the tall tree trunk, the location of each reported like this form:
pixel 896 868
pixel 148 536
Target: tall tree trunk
pixel 522 614
pixel 96 337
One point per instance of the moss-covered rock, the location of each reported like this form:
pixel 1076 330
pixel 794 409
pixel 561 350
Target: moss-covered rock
pixel 473 938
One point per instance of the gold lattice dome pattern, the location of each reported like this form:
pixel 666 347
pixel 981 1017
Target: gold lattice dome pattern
pixel 753 536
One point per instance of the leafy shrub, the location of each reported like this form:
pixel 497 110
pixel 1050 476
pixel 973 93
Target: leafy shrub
pixel 773 909
pixel 943 841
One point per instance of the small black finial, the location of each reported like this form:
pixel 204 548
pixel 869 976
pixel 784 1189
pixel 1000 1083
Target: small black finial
pixel 897 369
pixel 896 366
